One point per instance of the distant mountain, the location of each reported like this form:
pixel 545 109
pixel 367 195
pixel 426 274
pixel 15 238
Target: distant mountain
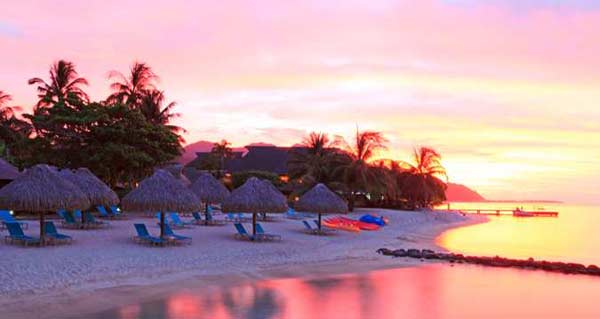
pixel 461 193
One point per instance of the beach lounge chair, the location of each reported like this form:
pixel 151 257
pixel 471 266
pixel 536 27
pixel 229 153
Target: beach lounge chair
pixel 92 221
pixel 177 222
pixel 208 221
pixel 242 233
pixel 16 235
pixel 103 212
pixel 116 211
pixel 179 239
pixel 260 232
pixel 5 216
pixel 197 218
pixel 231 217
pixel 68 219
pixel 315 230
pixel 54 235
pixel 143 236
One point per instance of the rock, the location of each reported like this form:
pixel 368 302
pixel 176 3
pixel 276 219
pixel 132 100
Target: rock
pixel 414 253
pixel 399 253
pixel 428 254
pixel 385 252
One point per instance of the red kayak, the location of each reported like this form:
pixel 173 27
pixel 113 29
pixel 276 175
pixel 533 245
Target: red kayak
pixel 358 223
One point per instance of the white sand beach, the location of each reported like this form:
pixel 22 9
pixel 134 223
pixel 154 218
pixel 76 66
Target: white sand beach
pixel 104 269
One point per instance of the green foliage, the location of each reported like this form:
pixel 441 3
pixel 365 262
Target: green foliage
pixel 114 141
pixel 238 179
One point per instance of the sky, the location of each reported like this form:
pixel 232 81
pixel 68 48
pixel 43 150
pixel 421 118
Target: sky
pixel 507 91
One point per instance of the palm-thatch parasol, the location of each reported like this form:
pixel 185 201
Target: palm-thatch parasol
pixel 209 190
pixel 41 189
pixel 97 192
pixel 177 171
pixel 161 192
pixel 7 171
pixel 321 200
pixel 254 197
pixel 276 192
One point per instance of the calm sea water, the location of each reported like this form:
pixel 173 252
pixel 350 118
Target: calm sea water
pixel 432 291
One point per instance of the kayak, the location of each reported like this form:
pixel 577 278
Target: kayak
pixel 374 219
pixel 361 225
pixel 341 225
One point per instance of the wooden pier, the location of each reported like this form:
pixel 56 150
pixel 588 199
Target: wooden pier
pixel 508 212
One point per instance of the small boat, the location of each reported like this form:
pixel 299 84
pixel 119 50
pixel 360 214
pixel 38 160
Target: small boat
pixel 523 213
pixel 336 223
pixel 361 225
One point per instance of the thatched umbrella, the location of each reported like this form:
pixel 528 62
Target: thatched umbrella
pixel 275 191
pixel 161 192
pixel 321 200
pixel 97 192
pixel 7 171
pixel 209 190
pixel 177 171
pixel 41 189
pixel 254 197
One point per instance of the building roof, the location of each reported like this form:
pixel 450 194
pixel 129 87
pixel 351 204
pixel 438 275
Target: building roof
pixel 258 158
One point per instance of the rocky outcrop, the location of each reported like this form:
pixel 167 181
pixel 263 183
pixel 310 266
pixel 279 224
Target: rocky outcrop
pixel 497 261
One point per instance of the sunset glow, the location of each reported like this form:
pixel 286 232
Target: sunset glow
pixel 507 92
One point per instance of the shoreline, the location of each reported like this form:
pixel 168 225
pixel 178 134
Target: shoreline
pixel 407 229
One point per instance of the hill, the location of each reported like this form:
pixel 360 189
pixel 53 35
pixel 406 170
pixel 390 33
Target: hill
pixel 461 193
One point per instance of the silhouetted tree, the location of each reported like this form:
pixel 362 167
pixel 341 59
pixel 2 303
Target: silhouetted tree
pixel 64 85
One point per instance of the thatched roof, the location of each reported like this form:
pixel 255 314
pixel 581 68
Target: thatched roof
pixel 97 192
pixel 41 189
pixel 254 197
pixel 273 189
pixel 321 200
pixel 161 192
pixel 177 171
pixel 209 189
pixel 8 171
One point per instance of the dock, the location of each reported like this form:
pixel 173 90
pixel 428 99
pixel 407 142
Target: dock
pixel 508 212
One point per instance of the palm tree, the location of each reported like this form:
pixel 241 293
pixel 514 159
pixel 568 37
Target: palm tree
pixel 131 89
pixel 64 86
pixel 314 162
pixel 151 106
pixel 221 151
pixel 357 173
pixel 11 127
pixel 425 184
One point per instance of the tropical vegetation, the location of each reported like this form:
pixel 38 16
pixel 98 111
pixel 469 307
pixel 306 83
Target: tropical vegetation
pixel 121 139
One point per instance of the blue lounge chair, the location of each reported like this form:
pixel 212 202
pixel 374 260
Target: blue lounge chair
pixel 5 216
pixel 197 218
pixel 176 238
pixel 315 230
pixel 68 219
pixel 16 235
pixel 92 221
pixel 260 232
pixel 231 217
pixel 116 211
pixel 177 222
pixel 54 235
pixel 104 213
pixel 143 236
pixel 242 233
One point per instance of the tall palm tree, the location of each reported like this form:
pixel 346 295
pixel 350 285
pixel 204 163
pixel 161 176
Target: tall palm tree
pixel 314 161
pixel 152 107
pixel 357 173
pixel 221 151
pixel 425 184
pixel 64 85
pixel 130 89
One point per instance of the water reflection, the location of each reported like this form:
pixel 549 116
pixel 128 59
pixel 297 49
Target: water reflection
pixel 434 291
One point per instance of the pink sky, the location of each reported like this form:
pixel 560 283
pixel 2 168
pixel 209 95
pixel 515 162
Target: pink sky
pixel 507 91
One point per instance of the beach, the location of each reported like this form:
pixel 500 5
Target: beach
pixel 104 269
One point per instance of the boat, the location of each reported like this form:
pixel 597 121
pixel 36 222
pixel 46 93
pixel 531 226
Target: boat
pixel 336 223
pixel 523 213
pixel 361 225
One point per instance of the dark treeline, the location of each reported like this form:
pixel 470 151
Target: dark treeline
pixel 351 170
pixel 121 138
